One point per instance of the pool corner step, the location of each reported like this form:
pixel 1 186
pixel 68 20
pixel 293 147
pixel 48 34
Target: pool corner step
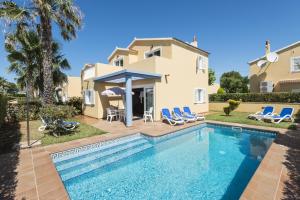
pixel 91 164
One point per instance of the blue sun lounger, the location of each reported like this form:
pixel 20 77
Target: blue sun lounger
pixel 187 112
pixel 186 118
pixel 267 111
pixel 285 114
pixel 166 115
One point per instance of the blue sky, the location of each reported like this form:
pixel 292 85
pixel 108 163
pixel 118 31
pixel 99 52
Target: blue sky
pixel 233 31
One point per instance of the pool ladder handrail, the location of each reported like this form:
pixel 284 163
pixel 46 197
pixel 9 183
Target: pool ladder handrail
pixel 237 128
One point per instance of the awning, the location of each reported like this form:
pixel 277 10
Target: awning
pixel 289 81
pixel 120 76
pixel 127 76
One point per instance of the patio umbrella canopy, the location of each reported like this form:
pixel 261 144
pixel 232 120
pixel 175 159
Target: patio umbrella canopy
pixel 114 91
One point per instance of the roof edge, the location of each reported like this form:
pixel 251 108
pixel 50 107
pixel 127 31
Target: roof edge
pixel 277 51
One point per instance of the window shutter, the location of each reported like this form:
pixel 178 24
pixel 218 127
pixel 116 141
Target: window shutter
pixel 196 95
pixel 92 97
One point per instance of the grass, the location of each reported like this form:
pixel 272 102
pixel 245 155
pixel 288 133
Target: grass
pixel 82 131
pixel 241 118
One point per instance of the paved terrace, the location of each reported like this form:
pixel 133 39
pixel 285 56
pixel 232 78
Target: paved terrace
pixel 30 174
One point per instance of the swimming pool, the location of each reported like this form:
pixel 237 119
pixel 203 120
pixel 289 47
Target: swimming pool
pixel 202 162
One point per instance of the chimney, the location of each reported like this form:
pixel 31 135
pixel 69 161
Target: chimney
pixel 194 42
pixel 268 47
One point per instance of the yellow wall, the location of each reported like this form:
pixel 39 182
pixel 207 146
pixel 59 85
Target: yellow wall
pixel 275 72
pixel 253 107
pixel 178 62
pixel 73 87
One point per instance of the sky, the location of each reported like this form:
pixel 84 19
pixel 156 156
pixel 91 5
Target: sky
pixel 233 31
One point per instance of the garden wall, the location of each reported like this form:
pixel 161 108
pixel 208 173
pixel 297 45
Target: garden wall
pixel 253 107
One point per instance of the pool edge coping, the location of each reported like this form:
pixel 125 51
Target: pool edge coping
pixel 248 193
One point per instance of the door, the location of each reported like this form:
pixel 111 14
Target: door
pixel 149 99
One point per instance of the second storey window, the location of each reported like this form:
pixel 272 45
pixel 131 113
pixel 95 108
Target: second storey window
pixel 154 52
pixel 119 62
pixel 199 95
pixel 295 64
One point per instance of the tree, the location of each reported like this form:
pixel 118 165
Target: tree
pixel 41 14
pixel 211 76
pixel 25 57
pixel 233 82
pixel 7 87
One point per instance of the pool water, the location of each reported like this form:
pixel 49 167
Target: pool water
pixel 203 162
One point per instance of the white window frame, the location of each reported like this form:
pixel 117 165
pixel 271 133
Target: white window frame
pixel 152 51
pixel 118 60
pixel 200 63
pixel 197 101
pixel 91 101
pixel 292 64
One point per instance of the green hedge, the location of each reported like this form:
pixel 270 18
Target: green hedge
pixel 76 102
pixel 17 111
pixel 3 107
pixel 283 97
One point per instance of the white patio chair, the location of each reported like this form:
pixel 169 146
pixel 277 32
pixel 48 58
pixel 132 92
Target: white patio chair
pixel 111 114
pixel 148 115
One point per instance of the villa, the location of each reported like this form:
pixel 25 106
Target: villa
pixel 155 72
pixel 280 76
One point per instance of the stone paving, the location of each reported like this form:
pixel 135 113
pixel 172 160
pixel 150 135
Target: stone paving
pixel 30 174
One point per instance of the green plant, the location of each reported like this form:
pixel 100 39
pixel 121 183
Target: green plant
pixel 55 115
pixel 231 107
pixel 211 76
pixel 3 107
pixel 76 102
pixel 234 82
pixel 17 111
pixel 221 91
pixel 57 112
pixel 284 97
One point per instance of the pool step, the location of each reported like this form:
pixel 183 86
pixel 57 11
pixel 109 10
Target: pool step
pixel 98 154
pixel 81 151
pixel 88 162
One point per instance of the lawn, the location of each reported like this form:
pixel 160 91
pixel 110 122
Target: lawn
pixel 82 131
pixel 241 118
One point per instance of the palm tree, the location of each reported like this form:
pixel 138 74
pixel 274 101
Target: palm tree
pixel 62 12
pixel 25 57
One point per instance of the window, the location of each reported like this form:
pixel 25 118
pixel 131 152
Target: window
pixel 89 97
pixel 295 64
pixel 202 63
pixel 119 62
pixel 151 53
pixel 200 95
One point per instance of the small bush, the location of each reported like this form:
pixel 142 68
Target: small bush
pixel 231 107
pixel 227 110
pixel 221 91
pixel 55 116
pixel 18 111
pixel 76 102
pixel 57 112
pixel 284 97
pixel 3 108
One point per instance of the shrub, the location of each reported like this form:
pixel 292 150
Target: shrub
pixel 227 110
pixel 76 102
pixel 284 97
pixel 221 91
pixel 18 111
pixel 3 107
pixel 55 115
pixel 231 107
pixel 57 112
